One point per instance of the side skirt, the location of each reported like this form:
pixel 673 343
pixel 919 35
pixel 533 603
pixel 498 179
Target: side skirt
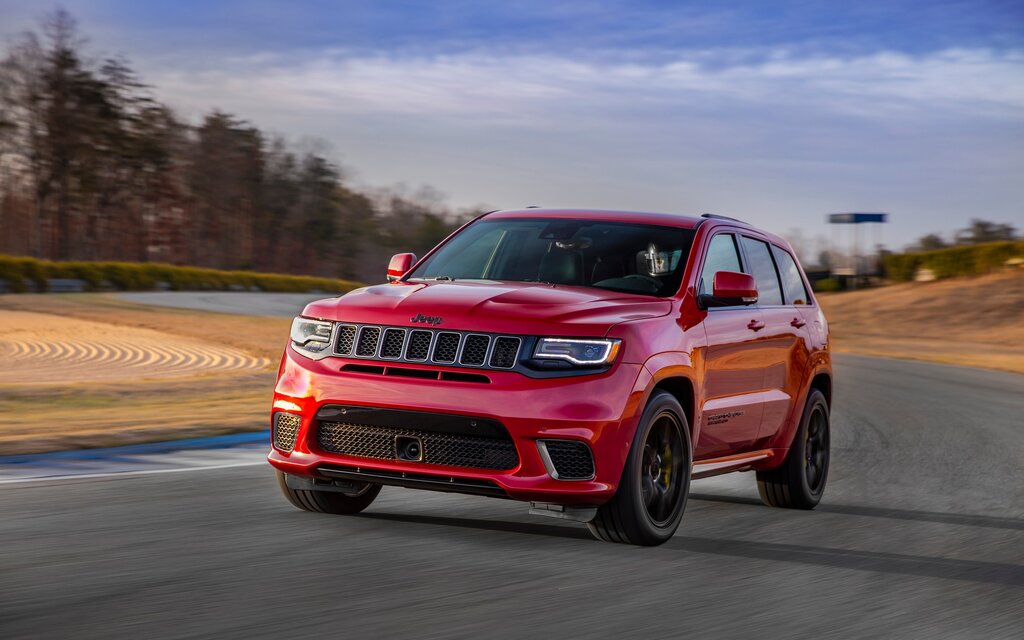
pixel 727 464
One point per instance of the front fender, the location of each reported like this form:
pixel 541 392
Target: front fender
pixel 678 366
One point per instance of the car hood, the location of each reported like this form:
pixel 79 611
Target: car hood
pixel 488 306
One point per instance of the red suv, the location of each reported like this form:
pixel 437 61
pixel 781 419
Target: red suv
pixel 587 362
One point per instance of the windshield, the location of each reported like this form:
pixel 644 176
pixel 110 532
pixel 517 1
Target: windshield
pixel 631 258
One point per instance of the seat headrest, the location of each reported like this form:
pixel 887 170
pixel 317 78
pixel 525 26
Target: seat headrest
pixel 561 267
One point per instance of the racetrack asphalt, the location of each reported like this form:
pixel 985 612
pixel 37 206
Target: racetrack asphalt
pixel 920 535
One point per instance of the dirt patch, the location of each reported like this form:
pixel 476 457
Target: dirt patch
pixel 256 335
pixel 44 349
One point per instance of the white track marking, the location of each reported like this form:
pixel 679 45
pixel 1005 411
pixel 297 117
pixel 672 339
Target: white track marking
pixel 117 474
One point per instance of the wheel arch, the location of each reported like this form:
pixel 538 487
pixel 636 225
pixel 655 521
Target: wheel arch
pixel 681 388
pixel 822 381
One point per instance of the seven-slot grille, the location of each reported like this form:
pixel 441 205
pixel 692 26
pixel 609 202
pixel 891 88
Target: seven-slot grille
pixel 431 346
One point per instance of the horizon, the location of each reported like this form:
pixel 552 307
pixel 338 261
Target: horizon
pixel 776 116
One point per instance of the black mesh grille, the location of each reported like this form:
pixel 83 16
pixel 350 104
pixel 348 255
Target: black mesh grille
pixel 419 345
pixel 286 427
pixel 392 346
pixel 504 354
pixel 367 345
pixel 346 338
pixel 448 449
pixel 446 348
pixel 474 351
pixel 571 459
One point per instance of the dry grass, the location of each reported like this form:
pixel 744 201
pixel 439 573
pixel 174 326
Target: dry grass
pixel 976 322
pixel 102 415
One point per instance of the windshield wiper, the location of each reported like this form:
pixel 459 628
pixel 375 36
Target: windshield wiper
pixel 445 278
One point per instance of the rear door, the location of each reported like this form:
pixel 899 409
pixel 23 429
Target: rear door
pixel 733 374
pixel 785 337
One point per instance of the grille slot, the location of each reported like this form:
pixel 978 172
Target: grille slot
pixel 505 351
pixel 346 339
pixel 448 449
pixel 571 459
pixel 286 428
pixel 391 347
pixel 447 347
pixel 366 345
pixel 474 350
pixel 419 345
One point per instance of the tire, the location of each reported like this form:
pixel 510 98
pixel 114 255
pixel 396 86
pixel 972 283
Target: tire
pixel 651 497
pixel 800 482
pixel 334 502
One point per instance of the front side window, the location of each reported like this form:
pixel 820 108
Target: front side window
pixel 792 283
pixel 619 256
pixel 722 256
pixel 769 291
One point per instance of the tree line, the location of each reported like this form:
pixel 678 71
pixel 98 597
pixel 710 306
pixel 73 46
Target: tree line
pixel 978 232
pixel 94 167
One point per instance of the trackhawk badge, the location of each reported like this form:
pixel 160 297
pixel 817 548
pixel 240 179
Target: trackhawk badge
pixel 432 320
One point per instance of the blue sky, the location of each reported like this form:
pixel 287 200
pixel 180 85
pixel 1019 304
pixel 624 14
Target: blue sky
pixel 777 112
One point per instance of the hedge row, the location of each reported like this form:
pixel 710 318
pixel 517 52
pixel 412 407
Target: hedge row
pixel 969 260
pixel 21 273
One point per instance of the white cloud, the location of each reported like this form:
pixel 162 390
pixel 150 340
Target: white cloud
pixel 529 89
pixel 933 138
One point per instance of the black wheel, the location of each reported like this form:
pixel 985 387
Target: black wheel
pixel 800 482
pixel 651 497
pixel 329 501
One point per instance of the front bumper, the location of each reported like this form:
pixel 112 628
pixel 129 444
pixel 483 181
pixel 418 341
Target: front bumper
pixel 601 410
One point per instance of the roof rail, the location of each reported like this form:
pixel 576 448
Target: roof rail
pixel 715 216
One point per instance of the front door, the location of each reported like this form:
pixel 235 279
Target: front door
pixel 733 381
pixel 732 400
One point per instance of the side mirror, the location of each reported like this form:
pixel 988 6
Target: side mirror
pixel 731 289
pixel 400 265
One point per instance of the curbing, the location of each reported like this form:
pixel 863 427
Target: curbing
pixel 212 442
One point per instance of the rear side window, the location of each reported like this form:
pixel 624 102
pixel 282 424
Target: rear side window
pixel 722 256
pixel 792 283
pixel 769 291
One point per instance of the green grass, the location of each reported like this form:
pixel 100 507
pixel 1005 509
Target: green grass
pixel 18 272
pixel 969 260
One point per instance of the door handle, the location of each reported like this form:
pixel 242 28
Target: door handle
pixel 797 322
pixel 755 325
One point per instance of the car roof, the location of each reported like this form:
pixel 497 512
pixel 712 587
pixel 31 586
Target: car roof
pixel 640 217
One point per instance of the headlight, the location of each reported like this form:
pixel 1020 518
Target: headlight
pixel 311 337
pixel 580 352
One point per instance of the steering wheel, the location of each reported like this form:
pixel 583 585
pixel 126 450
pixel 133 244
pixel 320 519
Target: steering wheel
pixel 655 285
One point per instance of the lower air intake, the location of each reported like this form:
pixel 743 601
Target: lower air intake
pixel 286 427
pixel 571 459
pixel 448 449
